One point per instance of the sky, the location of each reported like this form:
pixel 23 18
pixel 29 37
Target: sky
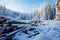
pixel 24 6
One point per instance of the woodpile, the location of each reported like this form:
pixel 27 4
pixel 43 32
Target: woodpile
pixel 6 26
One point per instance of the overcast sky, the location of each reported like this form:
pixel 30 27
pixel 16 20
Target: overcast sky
pixel 24 6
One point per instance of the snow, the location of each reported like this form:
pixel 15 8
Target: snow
pixel 45 30
pixel 10 14
pixel 46 11
pixel 48 30
pixel 21 37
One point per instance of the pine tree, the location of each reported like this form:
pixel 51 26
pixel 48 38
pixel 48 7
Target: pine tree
pixel 58 10
pixel 4 10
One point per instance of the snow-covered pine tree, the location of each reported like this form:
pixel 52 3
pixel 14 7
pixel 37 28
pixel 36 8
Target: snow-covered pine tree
pixel 46 11
pixel 4 10
pixel 1 10
pixel 53 11
pixel 58 10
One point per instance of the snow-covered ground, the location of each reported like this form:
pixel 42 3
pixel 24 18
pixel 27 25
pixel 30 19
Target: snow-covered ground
pixel 47 30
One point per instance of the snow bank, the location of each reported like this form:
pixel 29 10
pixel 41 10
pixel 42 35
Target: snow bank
pixel 50 31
